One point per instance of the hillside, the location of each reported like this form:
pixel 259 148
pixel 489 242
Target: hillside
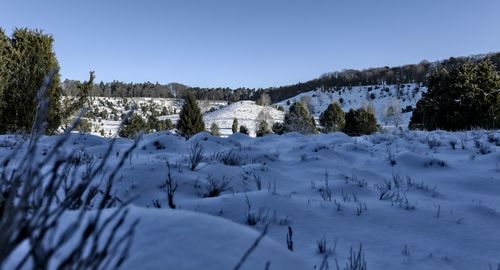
pixel 247 113
pixel 379 96
pixel 106 113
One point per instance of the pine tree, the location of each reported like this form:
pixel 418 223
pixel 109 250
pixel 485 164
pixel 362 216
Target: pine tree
pixel 262 129
pixel 333 118
pixel 462 97
pixel 29 57
pixel 190 118
pixel 359 122
pixel 244 130
pixel 235 125
pixel 298 119
pixel 214 129
pixel 278 128
pixel 132 126
pixel 4 44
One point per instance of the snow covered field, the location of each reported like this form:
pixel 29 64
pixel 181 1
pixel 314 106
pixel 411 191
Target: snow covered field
pixel 413 200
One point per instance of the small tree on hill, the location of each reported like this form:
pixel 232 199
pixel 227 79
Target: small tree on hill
pixel 234 128
pixel 214 129
pixel 264 100
pixel 190 118
pixel 262 129
pixel 359 122
pixel 298 119
pixel 333 118
pixel 132 126
pixel 393 113
pixel 244 130
pixel 278 128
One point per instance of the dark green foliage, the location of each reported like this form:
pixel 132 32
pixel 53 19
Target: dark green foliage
pixel 359 122
pixel 84 126
pixel 462 97
pixel 214 129
pixel 28 56
pixel 262 129
pixel 298 119
pixel 190 118
pixel 333 118
pixel 244 130
pixel 278 128
pixel 132 126
pixel 4 43
pixel 159 125
pixel 235 125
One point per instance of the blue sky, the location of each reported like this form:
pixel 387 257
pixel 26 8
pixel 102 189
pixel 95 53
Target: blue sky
pixel 257 43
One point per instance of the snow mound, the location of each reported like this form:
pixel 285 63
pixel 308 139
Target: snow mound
pixel 176 239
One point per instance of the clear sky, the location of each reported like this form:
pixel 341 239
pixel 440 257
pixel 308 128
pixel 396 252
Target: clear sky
pixel 252 43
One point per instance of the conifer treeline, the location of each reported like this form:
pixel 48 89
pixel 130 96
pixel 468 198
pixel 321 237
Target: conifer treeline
pixel 415 73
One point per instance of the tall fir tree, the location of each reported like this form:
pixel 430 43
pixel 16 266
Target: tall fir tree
pixel 29 57
pixel 333 118
pixel 214 129
pixel 298 119
pixel 235 125
pixel 190 118
pixel 462 97
pixel 4 48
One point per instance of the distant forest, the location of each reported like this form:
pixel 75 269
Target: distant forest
pixel 414 73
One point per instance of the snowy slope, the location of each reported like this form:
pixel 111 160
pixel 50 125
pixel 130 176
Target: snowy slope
pixel 115 107
pixel 441 211
pixel 358 96
pixel 246 112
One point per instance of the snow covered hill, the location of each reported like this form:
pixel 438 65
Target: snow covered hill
pixel 413 200
pixel 107 111
pixel 380 96
pixel 247 113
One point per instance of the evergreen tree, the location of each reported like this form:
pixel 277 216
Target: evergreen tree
pixel 462 97
pixel 333 118
pixel 190 118
pixel 28 56
pixel 298 119
pixel 359 122
pixel 278 128
pixel 235 125
pixel 4 48
pixel 262 129
pixel 214 129
pixel 132 126
pixel 244 130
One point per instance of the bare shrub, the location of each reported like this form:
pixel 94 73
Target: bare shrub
pixel 195 155
pixel 171 187
pixel 215 187
pixel 42 189
pixel 356 260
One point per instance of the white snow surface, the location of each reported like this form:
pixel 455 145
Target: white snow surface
pixel 447 212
